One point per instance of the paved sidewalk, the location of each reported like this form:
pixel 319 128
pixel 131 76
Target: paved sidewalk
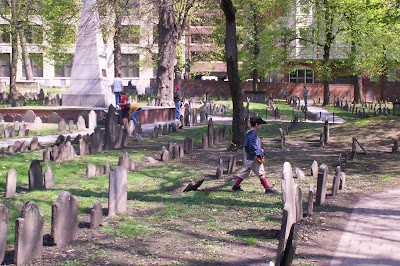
pixel 372 235
pixel 323 115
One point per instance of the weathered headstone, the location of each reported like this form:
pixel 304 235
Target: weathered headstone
pixel 53 118
pixel 231 164
pixel 99 170
pixel 64 220
pixel 90 170
pixel 106 168
pixel 299 203
pixel 92 119
pixel 18 118
pixel 321 184
pixel 62 125
pixel 181 151
pixel 210 133
pixel 9 131
pixel 188 145
pixel 282 133
pixel 164 154
pixel 342 184
pixel 117 193
pixel 71 125
pixel 34 144
pixel 131 128
pixel 80 124
pixel 60 140
pixel 299 173
pixel 113 131
pixel 194 185
pixel 29 116
pixel 310 205
pixel 11 183
pixel 175 151
pixel 4 218
pixel 46 154
pixel 289 195
pixel 326 133
pixel 96 215
pixel 8 118
pixel 83 146
pixel 314 169
pixel 48 177
pixel 336 181
pixel 22 129
pixel 220 169
pixel 35 174
pixel 28 234
pixel 204 141
pixel 284 232
pixel 291 246
pixel 126 162
pixel 96 146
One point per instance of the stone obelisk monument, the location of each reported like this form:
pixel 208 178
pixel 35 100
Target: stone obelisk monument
pixel 90 80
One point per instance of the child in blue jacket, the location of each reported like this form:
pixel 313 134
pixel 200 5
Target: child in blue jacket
pixel 255 156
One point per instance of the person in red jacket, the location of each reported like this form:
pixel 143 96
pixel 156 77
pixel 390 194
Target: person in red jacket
pixel 124 109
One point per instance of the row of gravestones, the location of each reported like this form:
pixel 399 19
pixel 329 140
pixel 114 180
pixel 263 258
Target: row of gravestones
pixel 377 109
pixel 293 205
pixel 9 131
pixel 64 229
pixel 214 109
pixel 80 124
pixel 230 168
pixel 214 135
pixel 163 130
pixel 22 146
pixel 176 151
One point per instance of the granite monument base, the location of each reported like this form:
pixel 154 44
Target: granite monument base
pixel 88 99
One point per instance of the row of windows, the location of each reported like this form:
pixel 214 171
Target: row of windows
pixel 129 65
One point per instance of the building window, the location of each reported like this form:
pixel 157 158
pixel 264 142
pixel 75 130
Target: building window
pixel 302 76
pixel 130 34
pixel 130 65
pixel 5 35
pixel 4 65
pixel 63 65
pixel 34 34
pixel 36 63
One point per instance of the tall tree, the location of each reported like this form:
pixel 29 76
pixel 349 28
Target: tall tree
pixel 231 56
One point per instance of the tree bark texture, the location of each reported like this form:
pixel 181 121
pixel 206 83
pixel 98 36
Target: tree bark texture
pixel 14 53
pixel 117 40
pixel 25 55
pixel 357 84
pixel 329 37
pixel 233 73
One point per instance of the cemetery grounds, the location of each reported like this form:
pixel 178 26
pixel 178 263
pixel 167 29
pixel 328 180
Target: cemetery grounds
pixel 212 226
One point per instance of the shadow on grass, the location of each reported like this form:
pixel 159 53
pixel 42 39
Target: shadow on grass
pixel 256 233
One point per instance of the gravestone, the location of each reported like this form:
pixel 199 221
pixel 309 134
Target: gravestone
pixel 291 246
pixel 99 170
pixel 164 154
pixel 71 125
pixel 46 154
pixel 326 133
pixel 113 131
pixel 175 151
pixel 83 146
pixel 181 151
pixel 126 162
pixel 165 129
pixel 96 215
pixel 106 168
pixel 4 218
pixel 299 173
pixel 299 203
pixel 92 119
pixel 289 195
pixel 117 192
pixel 53 118
pixel 37 124
pixel 21 131
pixel 314 169
pixel 90 74
pixel 90 170
pixel 204 141
pixel 310 205
pixel 188 145
pixel 80 124
pixel 28 234
pixel 282 133
pixel 44 118
pixel 64 219
pixel 34 144
pixel 8 118
pixel 9 131
pixel 11 183
pixel 210 133
pixel 321 184
pixel 194 185
pixel 284 232
pixel 220 169
pixel 35 175
pixel 96 146
pixel 48 177
pixel 336 181
pixel 342 184
pixel 231 164
pixel 11 149
pixel 29 116
pixel 60 140
pixel 18 118
pixel 62 125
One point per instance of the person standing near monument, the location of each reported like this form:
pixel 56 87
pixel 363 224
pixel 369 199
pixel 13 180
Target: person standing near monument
pixel 124 109
pixel 177 101
pixel 117 88
pixel 255 156
pixel 305 95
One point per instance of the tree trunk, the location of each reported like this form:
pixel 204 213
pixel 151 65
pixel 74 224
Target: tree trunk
pixel 233 73
pixel 167 42
pixel 117 41
pixel 14 58
pixel 357 84
pixel 383 80
pixel 25 55
pixel 256 49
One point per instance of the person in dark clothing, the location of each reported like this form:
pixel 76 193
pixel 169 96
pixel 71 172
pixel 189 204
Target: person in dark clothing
pixel 255 156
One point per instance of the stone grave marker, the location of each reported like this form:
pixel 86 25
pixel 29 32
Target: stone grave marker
pixel 44 119
pixel 283 233
pixel 60 140
pixel 117 193
pixel 106 168
pixel 34 144
pixel 22 129
pixel 194 185
pixel 90 170
pixel 80 124
pixel 220 169
pixel 96 146
pixel 9 131
pixel 96 215
pixel 175 151
pixel 17 146
pixel 289 195
pixel 83 146
pixel 35 174
pixel 282 133
pixel 99 170
pixel 92 119
pixel 64 219
pixel 310 205
pixel 164 154
pixel 53 118
pixel 11 149
pixel 48 177
pixel 113 131
pixel 299 173
pixel 28 234
pixel 204 141
pixel 181 151
pixel 210 133
pixel 131 128
pixel 231 165
pixel 8 118
pixel 138 128
pixel 29 116
pixel 342 180
pixel 62 125
pixel 291 246
pixel 11 183
pixel 126 162
pixel 4 218
pixel 188 145
pixel 18 118
pixel 336 181
pixel 395 147
pixel 46 154
pixel 299 203
pixel 71 125
pixel 314 169
pixel 321 184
